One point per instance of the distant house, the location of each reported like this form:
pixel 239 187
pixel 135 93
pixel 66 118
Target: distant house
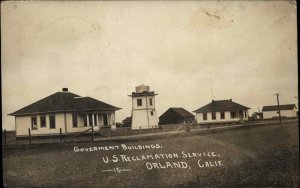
pixel 220 111
pixel 175 116
pixel 63 110
pixel 286 110
pixel 127 122
pixel 257 116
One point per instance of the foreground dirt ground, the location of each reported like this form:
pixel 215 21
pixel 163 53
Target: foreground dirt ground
pixel 254 156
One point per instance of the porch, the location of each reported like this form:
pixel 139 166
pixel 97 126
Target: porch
pixel 96 119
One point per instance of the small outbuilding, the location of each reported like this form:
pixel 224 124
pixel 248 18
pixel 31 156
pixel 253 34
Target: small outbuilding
pixel 286 111
pixel 222 111
pixel 127 122
pixel 176 116
pixel 257 116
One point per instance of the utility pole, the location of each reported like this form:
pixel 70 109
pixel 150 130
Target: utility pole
pixel 277 94
pixel 297 105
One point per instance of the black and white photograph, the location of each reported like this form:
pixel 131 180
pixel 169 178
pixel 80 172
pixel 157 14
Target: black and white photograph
pixel 149 94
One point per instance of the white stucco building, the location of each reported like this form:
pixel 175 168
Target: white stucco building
pixel 286 111
pixel 63 110
pixel 143 108
pixel 222 111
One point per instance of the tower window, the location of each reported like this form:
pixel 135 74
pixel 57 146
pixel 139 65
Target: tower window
pixel 139 102
pixel 150 101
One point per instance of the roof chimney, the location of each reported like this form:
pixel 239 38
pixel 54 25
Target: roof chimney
pixel 230 99
pixel 65 89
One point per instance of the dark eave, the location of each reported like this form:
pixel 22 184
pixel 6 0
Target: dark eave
pixel 146 93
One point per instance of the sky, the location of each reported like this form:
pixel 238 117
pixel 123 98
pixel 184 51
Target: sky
pixel 189 52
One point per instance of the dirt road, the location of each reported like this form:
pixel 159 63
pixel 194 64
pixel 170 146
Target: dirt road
pixel 254 156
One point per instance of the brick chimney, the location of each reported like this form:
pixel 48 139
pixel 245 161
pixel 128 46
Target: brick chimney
pixel 65 89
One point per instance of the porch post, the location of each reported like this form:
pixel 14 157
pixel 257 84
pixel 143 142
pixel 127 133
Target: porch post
pixel 65 118
pixel 93 119
pixel 100 122
pixel 92 127
pixel 114 120
pixel 87 120
pixel 107 117
pixel 97 117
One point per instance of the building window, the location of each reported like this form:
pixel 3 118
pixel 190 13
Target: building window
pixel 232 115
pixel 222 115
pixel 33 123
pixel 74 120
pixel 43 121
pixel 213 115
pixel 52 121
pixel 205 116
pixel 139 102
pixel 151 113
pixel 245 114
pixel 85 121
pixel 150 101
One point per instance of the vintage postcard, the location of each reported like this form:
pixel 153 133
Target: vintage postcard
pixel 149 94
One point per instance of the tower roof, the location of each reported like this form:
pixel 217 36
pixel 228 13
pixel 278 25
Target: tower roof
pixel 142 90
pixel 145 93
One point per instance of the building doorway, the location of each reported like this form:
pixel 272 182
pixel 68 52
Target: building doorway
pixel 105 119
pixel 241 115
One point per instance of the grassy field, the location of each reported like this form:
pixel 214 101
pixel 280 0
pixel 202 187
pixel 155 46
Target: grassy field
pixel 254 156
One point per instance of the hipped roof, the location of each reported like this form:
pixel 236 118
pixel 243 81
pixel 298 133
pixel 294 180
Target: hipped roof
pixel 179 111
pixel 64 102
pixel 182 112
pixel 220 106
